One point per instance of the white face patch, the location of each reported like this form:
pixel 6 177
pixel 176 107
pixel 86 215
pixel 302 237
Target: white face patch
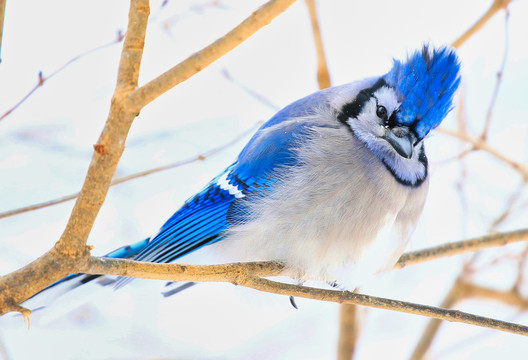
pixel 386 96
pixel 371 130
pixel 225 185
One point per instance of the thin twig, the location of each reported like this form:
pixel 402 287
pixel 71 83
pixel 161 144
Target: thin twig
pixel 253 93
pixel 511 297
pixel 494 8
pixel 203 58
pixel 520 270
pixel 500 73
pixel 510 206
pixel 42 79
pixel 323 76
pixel 120 180
pixel 239 276
pixel 459 291
pixel 483 145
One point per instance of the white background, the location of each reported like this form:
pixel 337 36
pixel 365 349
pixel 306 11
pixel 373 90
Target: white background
pixel 46 146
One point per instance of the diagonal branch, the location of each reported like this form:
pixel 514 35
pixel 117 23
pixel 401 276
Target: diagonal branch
pixel 494 8
pixel 500 73
pixel 479 144
pixel 461 247
pixel 203 58
pixel 111 142
pixel 71 248
pixel 42 78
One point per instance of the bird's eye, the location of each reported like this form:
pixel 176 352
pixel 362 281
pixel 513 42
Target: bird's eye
pixel 381 111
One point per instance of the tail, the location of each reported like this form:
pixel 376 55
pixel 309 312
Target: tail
pixel 73 281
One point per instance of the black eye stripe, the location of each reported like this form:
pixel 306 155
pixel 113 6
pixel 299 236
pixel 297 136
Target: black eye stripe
pixel 391 121
pixel 353 109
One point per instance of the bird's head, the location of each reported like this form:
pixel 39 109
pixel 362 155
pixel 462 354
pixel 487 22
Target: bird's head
pixel 409 101
pixel 396 111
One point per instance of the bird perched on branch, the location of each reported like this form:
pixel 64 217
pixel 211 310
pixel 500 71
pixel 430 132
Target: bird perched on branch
pixel 332 186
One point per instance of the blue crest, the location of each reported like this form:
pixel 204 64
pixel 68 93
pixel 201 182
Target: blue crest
pixel 427 83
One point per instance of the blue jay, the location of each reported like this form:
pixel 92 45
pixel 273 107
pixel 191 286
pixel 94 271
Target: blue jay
pixel 332 186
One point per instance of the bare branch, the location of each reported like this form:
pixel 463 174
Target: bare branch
pixel 459 291
pixel 120 180
pixel 71 248
pixel 323 77
pixel 238 275
pixel 511 204
pixel 42 78
pixel 111 142
pixel 201 59
pixel 348 331
pixel 510 297
pixel 483 145
pixel 253 93
pixel 461 247
pixel 211 272
pixel 493 100
pixel 494 8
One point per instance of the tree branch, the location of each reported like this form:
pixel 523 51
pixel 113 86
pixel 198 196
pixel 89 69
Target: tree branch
pixel 111 142
pixel 71 250
pixel 323 77
pixel 185 272
pixel 461 247
pixel 494 8
pixel 239 275
pixel 203 58
pixel 483 145
pixel 484 134
pixel 348 331
pixel 42 78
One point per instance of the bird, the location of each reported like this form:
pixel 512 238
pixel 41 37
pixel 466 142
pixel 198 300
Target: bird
pixel 331 187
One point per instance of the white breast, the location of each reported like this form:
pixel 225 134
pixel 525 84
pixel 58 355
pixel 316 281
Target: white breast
pixel 340 216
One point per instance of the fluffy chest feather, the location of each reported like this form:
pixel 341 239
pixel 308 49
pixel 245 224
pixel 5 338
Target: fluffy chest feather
pixel 339 215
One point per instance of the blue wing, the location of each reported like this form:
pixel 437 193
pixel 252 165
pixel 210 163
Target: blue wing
pixel 199 222
pixel 204 218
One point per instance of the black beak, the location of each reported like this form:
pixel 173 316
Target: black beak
pixel 402 144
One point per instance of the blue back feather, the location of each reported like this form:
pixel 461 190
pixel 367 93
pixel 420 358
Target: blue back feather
pixel 204 217
pixel 427 82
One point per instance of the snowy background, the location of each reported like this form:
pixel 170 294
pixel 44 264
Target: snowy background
pixel 46 146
